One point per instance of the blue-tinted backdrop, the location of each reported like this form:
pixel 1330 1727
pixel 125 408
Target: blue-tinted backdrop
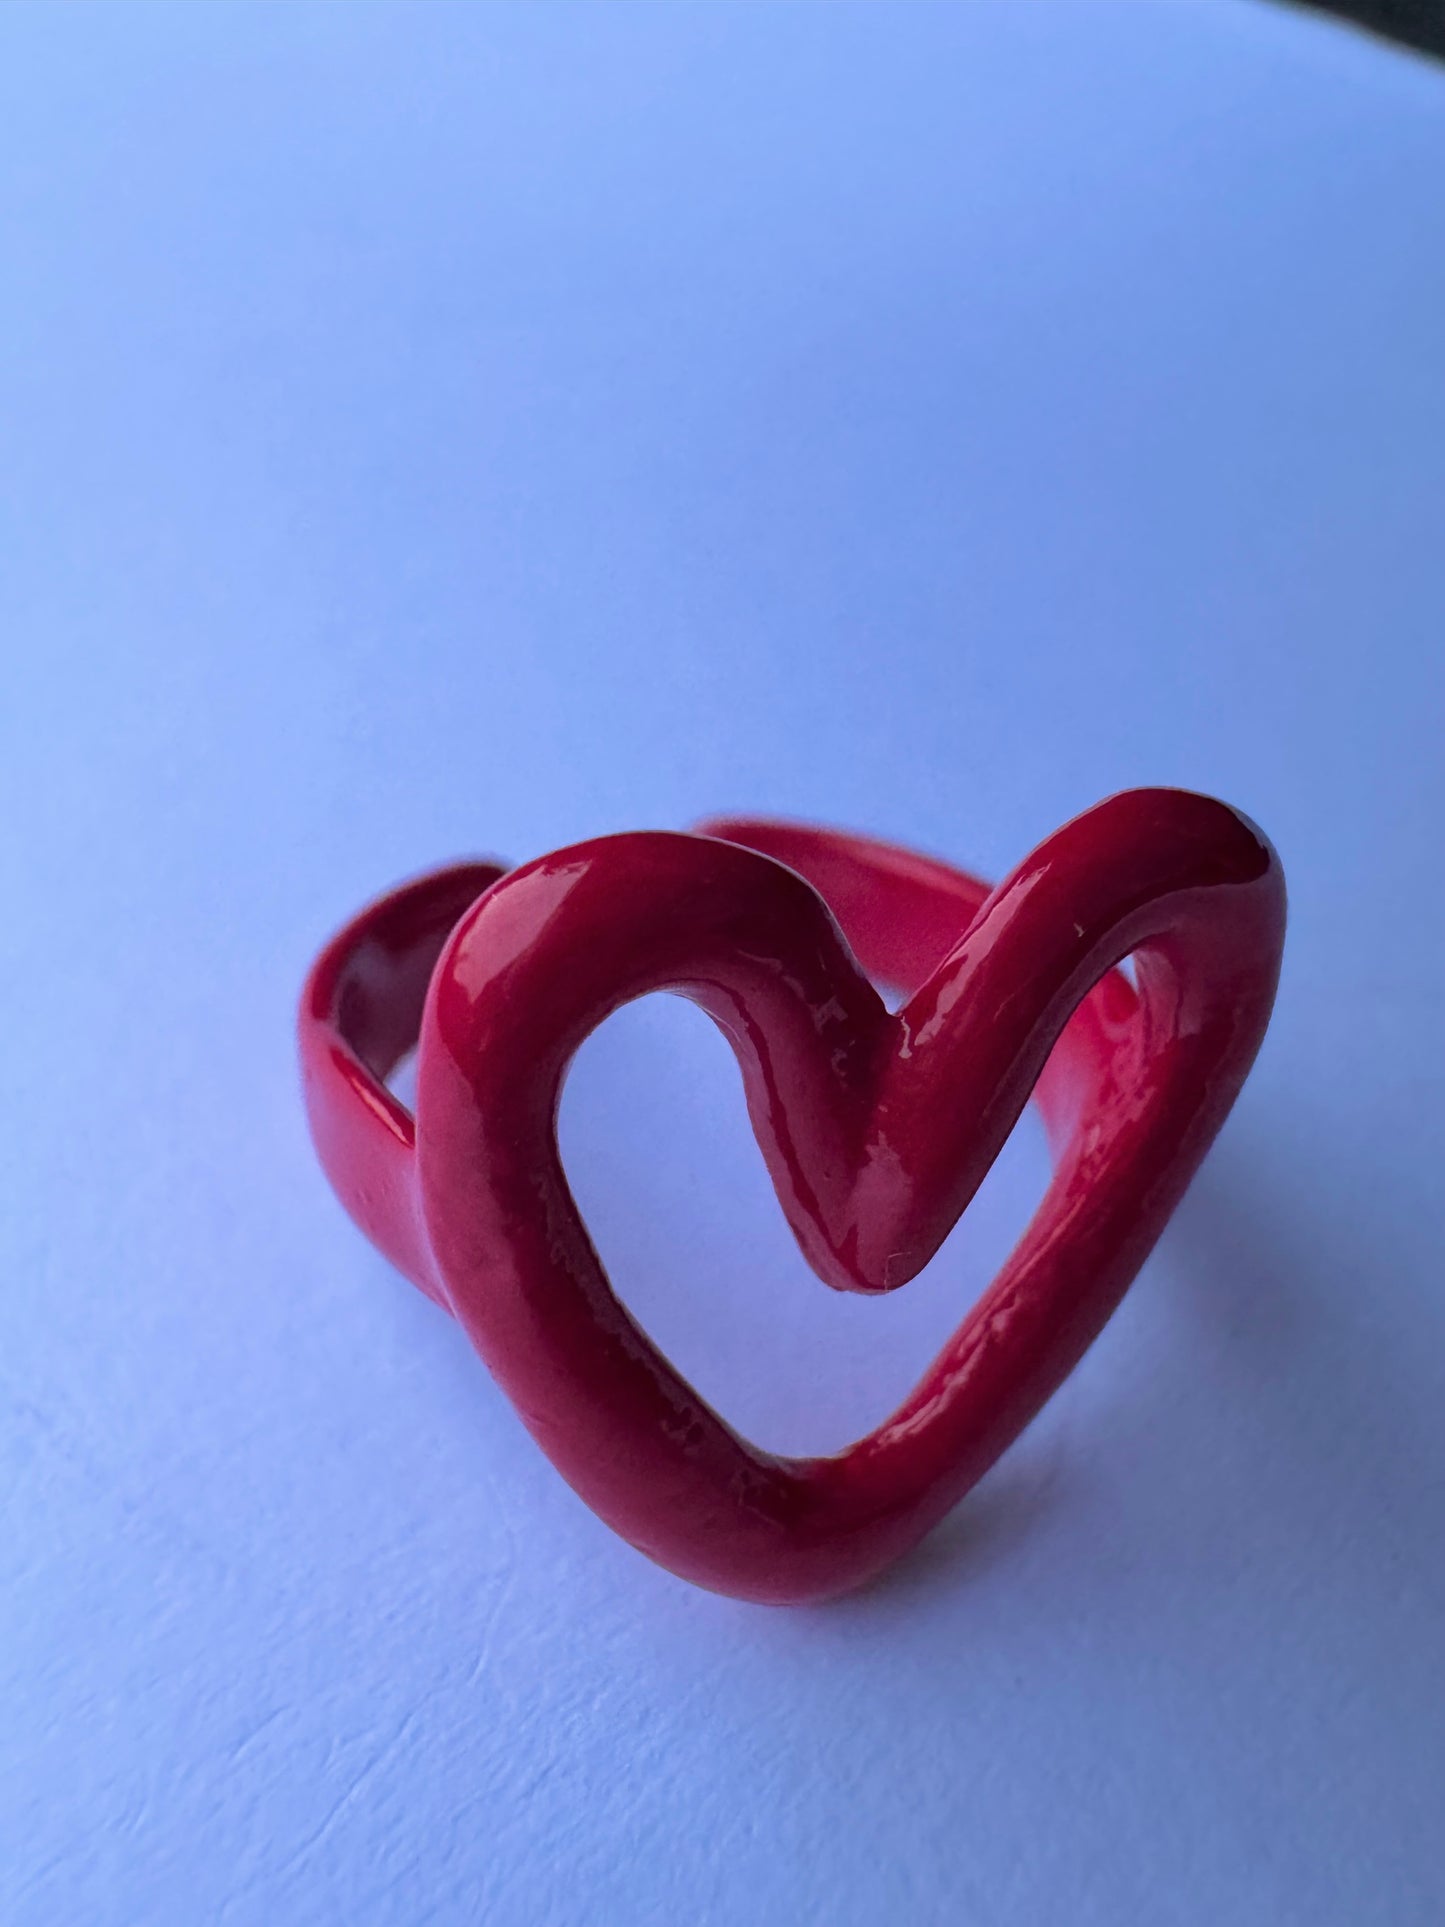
pixel 432 429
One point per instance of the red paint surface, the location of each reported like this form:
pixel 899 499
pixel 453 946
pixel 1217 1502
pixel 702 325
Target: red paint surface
pixel 877 1128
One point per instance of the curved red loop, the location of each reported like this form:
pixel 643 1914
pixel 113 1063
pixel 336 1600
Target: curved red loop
pixel 877 1127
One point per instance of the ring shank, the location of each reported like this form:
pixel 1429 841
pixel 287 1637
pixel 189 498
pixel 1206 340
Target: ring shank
pixel 360 1015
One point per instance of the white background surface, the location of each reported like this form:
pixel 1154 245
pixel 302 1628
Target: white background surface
pixel 435 430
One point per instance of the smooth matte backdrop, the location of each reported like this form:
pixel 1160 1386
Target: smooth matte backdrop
pixel 439 429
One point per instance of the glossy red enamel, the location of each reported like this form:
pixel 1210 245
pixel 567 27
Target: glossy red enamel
pixel 877 1128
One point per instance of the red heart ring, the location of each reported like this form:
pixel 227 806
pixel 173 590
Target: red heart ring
pixel 877 1127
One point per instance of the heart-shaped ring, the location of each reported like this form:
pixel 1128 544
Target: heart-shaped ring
pixel 877 1126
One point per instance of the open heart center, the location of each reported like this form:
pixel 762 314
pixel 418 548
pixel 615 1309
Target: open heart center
pixel 666 1173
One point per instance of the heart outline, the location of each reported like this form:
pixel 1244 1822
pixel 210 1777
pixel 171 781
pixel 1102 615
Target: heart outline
pixel 851 1109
